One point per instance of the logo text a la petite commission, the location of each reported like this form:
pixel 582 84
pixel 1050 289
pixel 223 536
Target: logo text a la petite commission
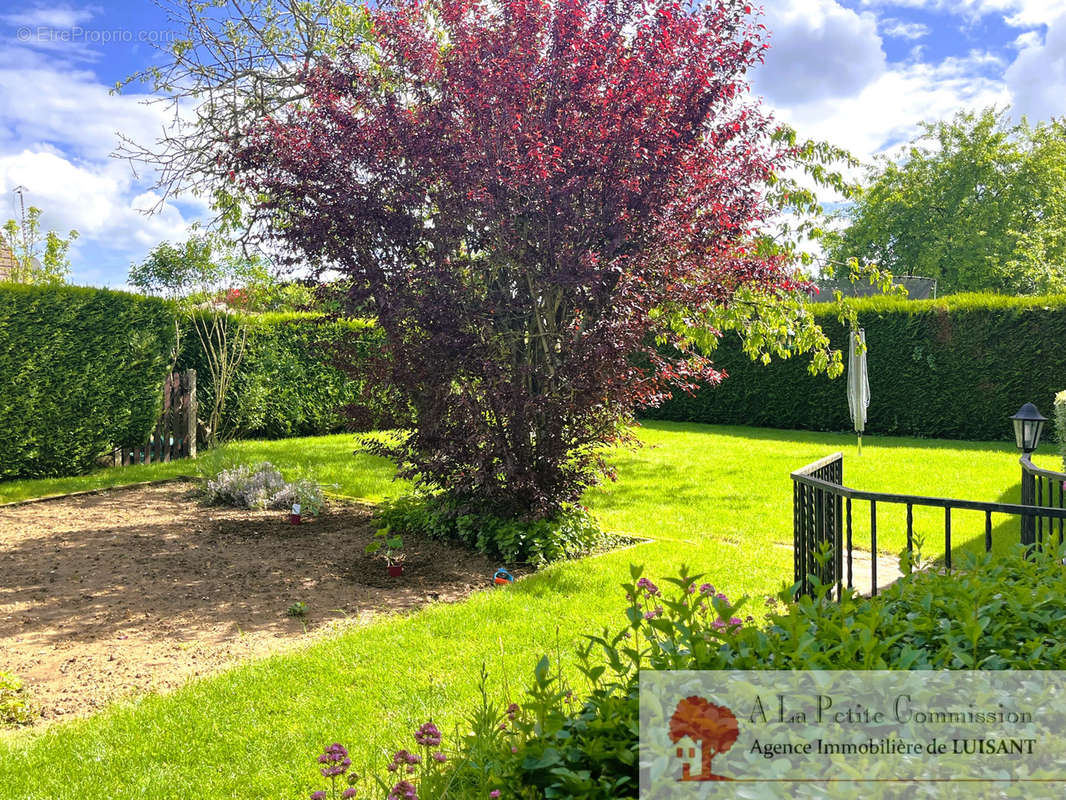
pixel 822 709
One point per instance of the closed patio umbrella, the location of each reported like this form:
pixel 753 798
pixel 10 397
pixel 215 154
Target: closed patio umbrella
pixel 858 382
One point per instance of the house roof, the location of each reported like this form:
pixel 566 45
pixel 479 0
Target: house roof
pixel 7 261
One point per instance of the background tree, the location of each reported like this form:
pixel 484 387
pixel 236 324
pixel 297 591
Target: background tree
pixel 200 275
pixel 977 203
pixel 529 196
pixel 40 257
pixel 711 726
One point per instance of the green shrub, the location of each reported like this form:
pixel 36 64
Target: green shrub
pixel 568 535
pixel 15 708
pixel 1060 424
pixel 287 385
pixel 956 367
pixel 81 371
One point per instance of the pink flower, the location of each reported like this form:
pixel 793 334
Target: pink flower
pixel 648 587
pixel 428 735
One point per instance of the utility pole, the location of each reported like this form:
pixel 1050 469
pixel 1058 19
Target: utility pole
pixel 21 190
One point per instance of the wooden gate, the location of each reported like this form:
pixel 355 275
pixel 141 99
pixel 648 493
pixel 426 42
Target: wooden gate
pixel 175 434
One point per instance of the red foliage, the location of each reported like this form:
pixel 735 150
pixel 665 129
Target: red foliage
pixel 517 188
pixel 236 298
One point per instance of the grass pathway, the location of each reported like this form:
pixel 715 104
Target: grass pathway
pixel 713 497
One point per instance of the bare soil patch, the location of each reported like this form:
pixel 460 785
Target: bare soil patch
pixel 140 589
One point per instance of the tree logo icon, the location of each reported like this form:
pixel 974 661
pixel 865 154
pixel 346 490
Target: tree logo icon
pixel 713 729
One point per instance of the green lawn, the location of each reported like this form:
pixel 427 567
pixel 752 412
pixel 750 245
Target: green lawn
pixel 716 498
pixel 331 459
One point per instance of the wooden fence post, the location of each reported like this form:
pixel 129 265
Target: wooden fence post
pixel 191 411
pixel 174 435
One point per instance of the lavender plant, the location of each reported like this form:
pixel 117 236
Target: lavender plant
pixel 262 486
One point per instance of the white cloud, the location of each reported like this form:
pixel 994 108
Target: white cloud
pixel 58 128
pixel 1027 39
pixel 55 16
pixel 98 200
pixel 1037 78
pixel 1019 13
pixel 1025 13
pixel 898 29
pixel 818 50
pixel 70 109
pixel 887 112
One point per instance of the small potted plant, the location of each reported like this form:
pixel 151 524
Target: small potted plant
pixel 390 546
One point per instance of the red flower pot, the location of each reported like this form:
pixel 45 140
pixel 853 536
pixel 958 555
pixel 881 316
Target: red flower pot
pixel 395 570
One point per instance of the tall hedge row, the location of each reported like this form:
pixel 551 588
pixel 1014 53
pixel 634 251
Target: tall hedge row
pixel 956 367
pixel 287 383
pixel 80 371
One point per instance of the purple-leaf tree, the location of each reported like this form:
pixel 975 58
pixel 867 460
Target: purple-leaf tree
pixel 534 197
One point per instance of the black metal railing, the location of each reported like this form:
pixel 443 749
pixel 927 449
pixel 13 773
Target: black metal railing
pixel 823 519
pixel 816 511
pixel 1042 488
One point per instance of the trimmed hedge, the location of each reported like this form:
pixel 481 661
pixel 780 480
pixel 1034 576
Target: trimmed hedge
pixel 955 367
pixel 286 384
pixel 81 370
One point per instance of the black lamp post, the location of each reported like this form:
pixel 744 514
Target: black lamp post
pixel 1028 425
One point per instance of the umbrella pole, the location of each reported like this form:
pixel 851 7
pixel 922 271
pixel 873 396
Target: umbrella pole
pixel 860 443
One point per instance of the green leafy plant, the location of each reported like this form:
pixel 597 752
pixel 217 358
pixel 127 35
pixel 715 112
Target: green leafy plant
pixel 288 383
pixel 297 609
pixel 15 707
pixel 40 258
pixel 190 274
pixel 911 560
pixel 388 545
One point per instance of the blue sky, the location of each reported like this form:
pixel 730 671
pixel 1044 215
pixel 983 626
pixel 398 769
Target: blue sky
pixel 859 73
